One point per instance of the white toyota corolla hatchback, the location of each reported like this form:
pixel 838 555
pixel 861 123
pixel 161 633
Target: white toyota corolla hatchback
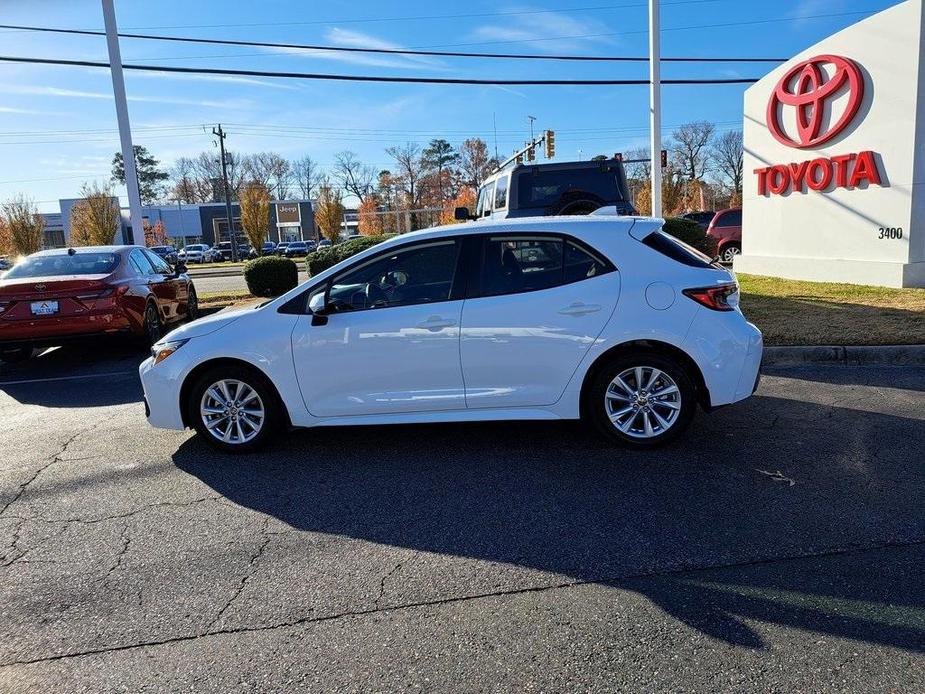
pixel 603 318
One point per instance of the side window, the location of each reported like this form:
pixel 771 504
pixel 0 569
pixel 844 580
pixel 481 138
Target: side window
pixel 485 204
pixel 730 219
pixel 160 265
pixel 140 263
pixel 501 193
pixel 581 265
pixel 513 264
pixel 420 274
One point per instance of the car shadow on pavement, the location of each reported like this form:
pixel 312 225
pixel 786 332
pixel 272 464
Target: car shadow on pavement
pixel 719 529
pixel 79 374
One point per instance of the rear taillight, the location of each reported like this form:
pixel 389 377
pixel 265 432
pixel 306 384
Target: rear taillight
pixel 723 297
pixel 92 296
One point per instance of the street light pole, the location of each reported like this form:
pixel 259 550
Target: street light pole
pixel 125 131
pixel 655 107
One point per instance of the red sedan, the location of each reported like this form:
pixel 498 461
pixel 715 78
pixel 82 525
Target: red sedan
pixel 58 295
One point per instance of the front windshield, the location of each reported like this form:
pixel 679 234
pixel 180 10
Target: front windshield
pixel 93 263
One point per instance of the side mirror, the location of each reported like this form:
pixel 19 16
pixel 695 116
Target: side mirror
pixel 179 268
pixel 317 304
pixel 462 214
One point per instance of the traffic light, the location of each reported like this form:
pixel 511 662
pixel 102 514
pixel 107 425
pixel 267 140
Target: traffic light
pixel 618 156
pixel 664 158
pixel 550 144
pixel 519 159
pixel 531 153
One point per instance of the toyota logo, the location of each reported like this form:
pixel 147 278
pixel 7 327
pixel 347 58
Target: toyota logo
pixel 40 287
pixel 809 89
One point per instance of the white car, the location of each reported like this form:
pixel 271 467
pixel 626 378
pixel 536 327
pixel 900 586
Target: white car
pixel 195 253
pixel 600 317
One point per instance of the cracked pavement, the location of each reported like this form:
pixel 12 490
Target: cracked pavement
pixel 780 545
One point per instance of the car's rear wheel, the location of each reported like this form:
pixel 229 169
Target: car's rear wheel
pixel 642 399
pixel 234 409
pixel 13 355
pixel 192 304
pixel 153 327
pixel 730 251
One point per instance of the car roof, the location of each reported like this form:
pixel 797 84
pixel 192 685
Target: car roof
pixel 87 249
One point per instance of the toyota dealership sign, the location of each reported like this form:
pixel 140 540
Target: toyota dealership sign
pixel 837 191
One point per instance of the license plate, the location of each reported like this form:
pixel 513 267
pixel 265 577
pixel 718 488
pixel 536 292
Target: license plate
pixel 44 308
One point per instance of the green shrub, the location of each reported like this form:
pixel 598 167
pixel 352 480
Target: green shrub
pixel 691 233
pixel 321 260
pixel 270 276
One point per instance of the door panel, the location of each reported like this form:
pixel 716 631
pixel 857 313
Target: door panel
pixel 381 361
pixel 520 350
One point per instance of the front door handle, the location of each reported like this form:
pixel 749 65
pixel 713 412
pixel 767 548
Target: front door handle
pixel 436 323
pixel 580 309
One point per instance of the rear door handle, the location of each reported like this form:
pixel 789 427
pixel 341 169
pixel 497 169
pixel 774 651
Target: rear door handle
pixel 580 309
pixel 436 323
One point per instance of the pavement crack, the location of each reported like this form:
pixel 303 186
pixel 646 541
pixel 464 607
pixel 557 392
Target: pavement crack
pixel 126 542
pixel 247 574
pixel 385 578
pixel 303 621
pixel 56 458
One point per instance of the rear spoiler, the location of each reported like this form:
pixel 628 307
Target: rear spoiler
pixel 642 226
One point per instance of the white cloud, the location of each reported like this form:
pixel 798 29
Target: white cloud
pixel 575 33
pixel 28 90
pixel 225 79
pixel 355 39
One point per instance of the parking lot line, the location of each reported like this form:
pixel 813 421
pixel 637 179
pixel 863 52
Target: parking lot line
pixel 67 378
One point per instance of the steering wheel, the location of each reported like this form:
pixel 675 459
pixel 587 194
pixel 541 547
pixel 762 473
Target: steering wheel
pixel 375 296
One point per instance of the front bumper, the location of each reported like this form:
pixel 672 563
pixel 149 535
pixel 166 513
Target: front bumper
pixel 161 386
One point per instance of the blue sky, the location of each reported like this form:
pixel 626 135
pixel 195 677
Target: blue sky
pixel 58 125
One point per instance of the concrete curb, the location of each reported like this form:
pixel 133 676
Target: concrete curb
pixel 889 355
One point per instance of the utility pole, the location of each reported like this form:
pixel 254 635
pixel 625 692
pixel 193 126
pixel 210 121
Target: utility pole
pixel 125 130
pixel 233 237
pixel 655 107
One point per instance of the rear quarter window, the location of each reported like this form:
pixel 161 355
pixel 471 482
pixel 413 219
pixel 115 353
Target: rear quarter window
pixel 677 250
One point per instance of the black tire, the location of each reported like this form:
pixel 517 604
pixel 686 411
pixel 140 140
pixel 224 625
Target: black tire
pixel 14 355
pixel 192 304
pixel 730 251
pixel 153 327
pixel 604 400
pixel 273 418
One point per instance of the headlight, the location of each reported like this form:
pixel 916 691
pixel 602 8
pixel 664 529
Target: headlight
pixel 162 350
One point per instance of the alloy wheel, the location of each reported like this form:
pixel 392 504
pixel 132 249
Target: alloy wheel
pixel 152 324
pixel 642 402
pixel 730 253
pixel 232 411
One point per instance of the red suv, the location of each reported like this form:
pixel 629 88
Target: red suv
pixel 57 295
pixel 726 230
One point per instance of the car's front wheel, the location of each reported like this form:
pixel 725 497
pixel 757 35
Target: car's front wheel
pixel 234 409
pixel 192 304
pixel 153 327
pixel 642 399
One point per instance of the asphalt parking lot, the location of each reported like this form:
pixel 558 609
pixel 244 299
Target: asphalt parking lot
pixel 780 546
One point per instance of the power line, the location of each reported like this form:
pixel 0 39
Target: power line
pixel 367 78
pixel 385 51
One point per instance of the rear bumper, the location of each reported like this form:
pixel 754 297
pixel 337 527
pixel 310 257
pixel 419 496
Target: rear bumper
pixel 728 350
pixel 47 332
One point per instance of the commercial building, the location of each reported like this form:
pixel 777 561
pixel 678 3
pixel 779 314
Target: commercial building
pixel 290 220
pixel 835 158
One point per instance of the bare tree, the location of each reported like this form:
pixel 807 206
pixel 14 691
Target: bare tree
pixel 475 164
pixel 208 168
pixel 690 149
pixel 728 152
pixel 188 187
pixel 355 177
pixel 410 171
pixel 269 170
pixel 308 176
